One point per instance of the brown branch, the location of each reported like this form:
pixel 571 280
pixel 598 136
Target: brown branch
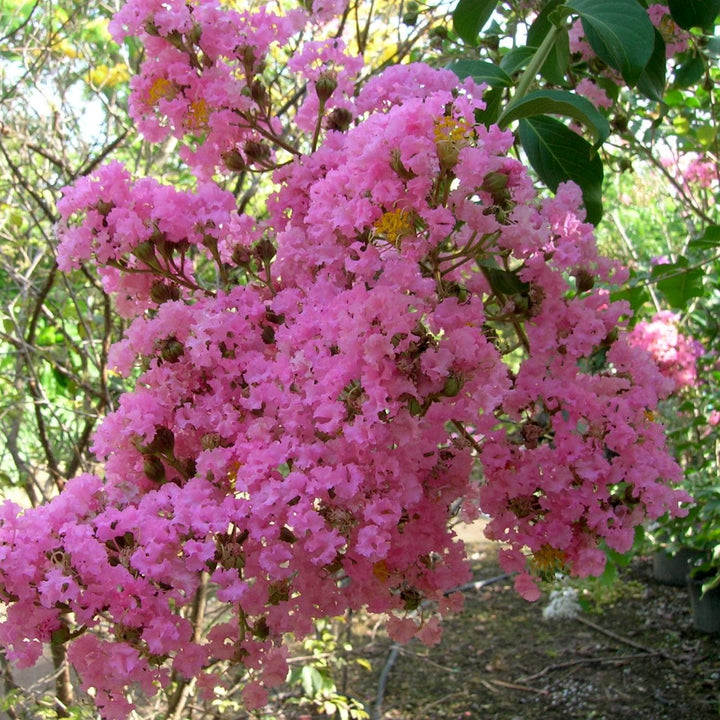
pixel 179 700
pixel 91 164
pixel 15 170
pixel 64 696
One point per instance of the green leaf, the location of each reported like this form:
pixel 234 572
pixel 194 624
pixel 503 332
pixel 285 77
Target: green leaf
pixel 637 296
pixel 678 282
pixel 652 81
pixel 620 32
pixel 708 240
pixel 559 102
pixel 481 71
pixel 689 72
pixel 555 67
pixel 516 58
pixel 558 154
pixel 694 13
pixel 470 16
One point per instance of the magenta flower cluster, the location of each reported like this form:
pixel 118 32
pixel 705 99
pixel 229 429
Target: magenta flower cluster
pixel 402 334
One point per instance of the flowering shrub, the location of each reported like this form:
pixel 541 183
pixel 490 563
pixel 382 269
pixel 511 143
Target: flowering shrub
pixel 317 382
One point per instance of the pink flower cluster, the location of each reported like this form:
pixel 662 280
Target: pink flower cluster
pixel 405 333
pixel 676 354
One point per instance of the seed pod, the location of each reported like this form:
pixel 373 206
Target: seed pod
pixel 266 250
pixel 211 440
pixel 241 256
pixel 287 535
pixel 234 161
pixel 153 468
pixel 171 349
pixel 256 151
pixel 161 292
pixel 584 281
pixel 260 628
pixel 163 441
pixel 339 119
pixel 268 335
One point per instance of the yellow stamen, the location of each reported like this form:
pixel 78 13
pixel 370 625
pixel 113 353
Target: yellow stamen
pixel 395 225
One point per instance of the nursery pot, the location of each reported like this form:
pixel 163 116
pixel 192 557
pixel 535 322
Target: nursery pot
pixel 673 569
pixel 705 607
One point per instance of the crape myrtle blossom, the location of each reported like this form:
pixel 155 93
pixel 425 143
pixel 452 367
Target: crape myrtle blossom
pixel 676 354
pixel 407 332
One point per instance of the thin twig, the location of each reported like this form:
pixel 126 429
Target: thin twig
pixel 586 661
pixel 621 639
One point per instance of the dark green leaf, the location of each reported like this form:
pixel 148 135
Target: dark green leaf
pixel 689 72
pixel 470 16
pixel 558 154
pixel 620 32
pixel 652 81
pixel 505 282
pixel 493 102
pixel 481 71
pixel 559 102
pixel 678 282
pixel 516 59
pixel 694 13
pixel 710 239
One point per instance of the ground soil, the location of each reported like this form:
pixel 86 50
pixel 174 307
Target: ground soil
pixel 631 654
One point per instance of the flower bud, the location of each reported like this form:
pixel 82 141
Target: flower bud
pixel 248 58
pixel 258 92
pixel 145 252
pixel 104 207
pixel 494 182
pixel 151 28
pixel 410 19
pixel 452 386
pixel 325 86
